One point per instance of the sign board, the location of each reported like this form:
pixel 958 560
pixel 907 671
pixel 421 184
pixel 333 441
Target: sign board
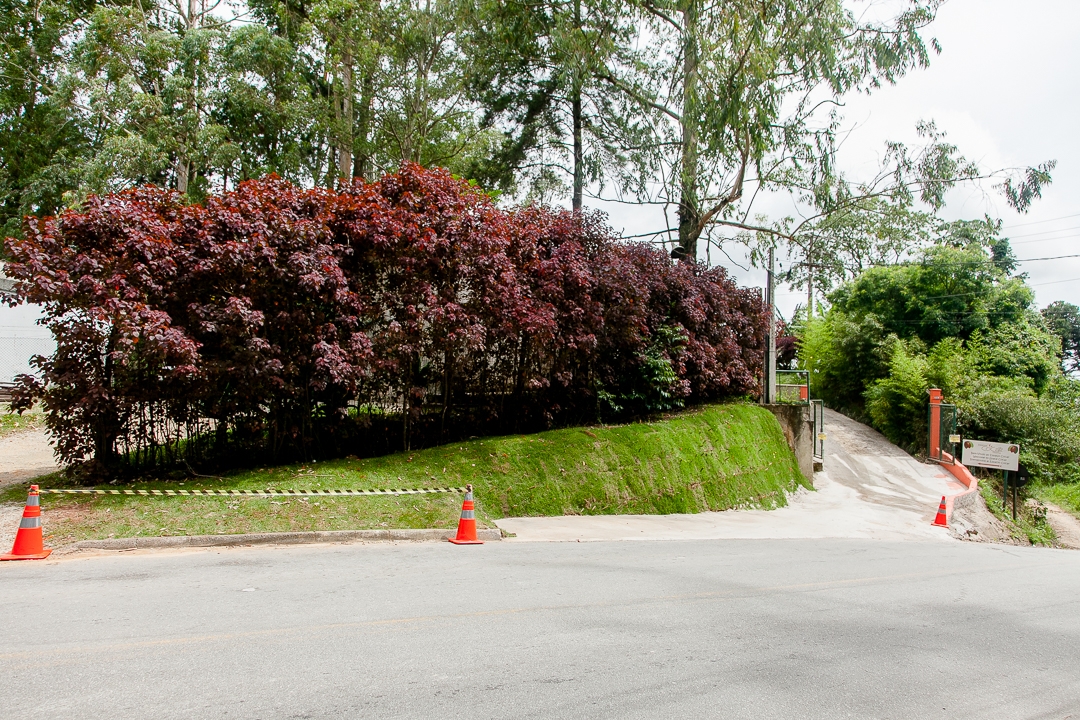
pixel 998 456
pixel 954 439
pixel 1021 478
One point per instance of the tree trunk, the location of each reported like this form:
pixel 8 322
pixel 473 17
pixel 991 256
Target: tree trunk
pixel 446 396
pixel 345 144
pixel 182 169
pixel 106 420
pixel 579 171
pixel 519 378
pixel 331 159
pixel 575 102
pixel 362 162
pixel 689 207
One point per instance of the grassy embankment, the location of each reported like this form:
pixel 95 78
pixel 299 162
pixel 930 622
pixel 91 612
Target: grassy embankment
pixel 715 458
pixel 1065 496
pixel 1028 526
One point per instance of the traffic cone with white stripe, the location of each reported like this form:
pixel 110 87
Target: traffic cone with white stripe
pixel 466 529
pixel 28 542
pixel 941 520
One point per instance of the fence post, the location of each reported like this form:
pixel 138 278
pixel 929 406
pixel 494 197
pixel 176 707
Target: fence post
pixel 934 445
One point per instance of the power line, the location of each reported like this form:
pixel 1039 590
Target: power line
pixel 1064 237
pixel 991 291
pixel 1040 222
pixel 1055 257
pixel 1054 282
pixel 991 262
pixel 1046 232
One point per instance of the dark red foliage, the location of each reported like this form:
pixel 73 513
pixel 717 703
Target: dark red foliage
pixel 787 349
pixel 402 312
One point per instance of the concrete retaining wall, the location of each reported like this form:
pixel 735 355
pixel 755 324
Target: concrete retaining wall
pixel 798 429
pixel 961 473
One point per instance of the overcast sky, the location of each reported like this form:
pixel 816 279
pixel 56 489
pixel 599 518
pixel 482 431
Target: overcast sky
pixel 1006 90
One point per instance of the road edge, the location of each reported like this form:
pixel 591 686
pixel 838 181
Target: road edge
pixel 280 538
pixel 961 473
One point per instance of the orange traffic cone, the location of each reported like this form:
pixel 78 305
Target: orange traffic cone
pixel 28 543
pixel 466 529
pixel 940 520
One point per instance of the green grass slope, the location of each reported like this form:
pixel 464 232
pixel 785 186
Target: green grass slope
pixel 714 458
pixel 717 458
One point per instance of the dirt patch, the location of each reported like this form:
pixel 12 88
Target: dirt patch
pixel 1066 526
pixel 55 522
pixel 10 515
pixel 24 456
pixel 974 522
pixel 58 521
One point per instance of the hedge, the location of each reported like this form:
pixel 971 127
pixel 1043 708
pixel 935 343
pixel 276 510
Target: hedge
pixel 278 322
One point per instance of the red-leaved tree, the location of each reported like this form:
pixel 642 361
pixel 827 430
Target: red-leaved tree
pixel 392 314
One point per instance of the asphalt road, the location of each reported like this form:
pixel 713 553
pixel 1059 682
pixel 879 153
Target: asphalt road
pixel 813 628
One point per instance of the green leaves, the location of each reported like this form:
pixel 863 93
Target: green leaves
pixel 949 292
pixel 1022 190
pixel 955 320
pixel 696 106
pixel 1063 319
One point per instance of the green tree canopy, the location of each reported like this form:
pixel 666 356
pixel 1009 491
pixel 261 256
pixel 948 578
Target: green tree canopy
pixel 1063 319
pixel 948 292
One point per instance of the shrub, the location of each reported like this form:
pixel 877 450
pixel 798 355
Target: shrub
pixel 1045 427
pixel 896 404
pixel 276 322
pixel 989 351
pixel 844 355
pixel 1023 349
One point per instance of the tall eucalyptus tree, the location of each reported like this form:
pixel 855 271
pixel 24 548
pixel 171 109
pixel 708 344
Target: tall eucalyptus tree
pixel 536 72
pixel 42 131
pixel 743 95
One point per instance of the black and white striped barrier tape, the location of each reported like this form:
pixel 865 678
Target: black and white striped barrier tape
pixel 253 493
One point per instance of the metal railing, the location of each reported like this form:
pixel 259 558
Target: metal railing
pixel 793 387
pixel 817 415
pixel 942 437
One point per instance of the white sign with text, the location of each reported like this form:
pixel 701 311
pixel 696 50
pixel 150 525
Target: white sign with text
pixel 999 456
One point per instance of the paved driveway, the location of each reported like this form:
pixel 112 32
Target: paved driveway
pixel 869 489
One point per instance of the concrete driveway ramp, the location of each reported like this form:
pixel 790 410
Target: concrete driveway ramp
pixel 869 488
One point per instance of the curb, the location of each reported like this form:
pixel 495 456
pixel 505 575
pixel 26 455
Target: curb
pixel 282 538
pixel 961 473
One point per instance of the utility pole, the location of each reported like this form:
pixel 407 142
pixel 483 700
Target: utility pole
pixel 769 396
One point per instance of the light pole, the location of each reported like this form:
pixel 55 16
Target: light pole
pixel 769 396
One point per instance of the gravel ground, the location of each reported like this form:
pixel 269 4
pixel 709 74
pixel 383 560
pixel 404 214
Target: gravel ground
pixel 975 523
pixel 10 514
pixel 1065 525
pixel 25 455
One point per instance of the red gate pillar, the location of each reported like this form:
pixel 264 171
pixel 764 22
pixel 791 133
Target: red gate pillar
pixel 935 424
